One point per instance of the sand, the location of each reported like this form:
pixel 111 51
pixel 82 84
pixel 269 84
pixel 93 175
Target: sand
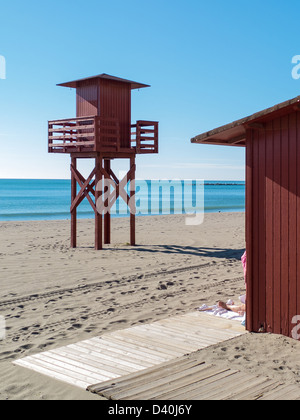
pixel 52 295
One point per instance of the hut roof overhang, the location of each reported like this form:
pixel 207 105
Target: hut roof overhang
pixel 76 83
pixel 234 134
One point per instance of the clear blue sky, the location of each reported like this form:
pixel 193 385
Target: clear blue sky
pixel 208 63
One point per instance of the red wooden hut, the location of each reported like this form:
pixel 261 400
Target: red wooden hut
pixel 102 131
pixel 272 142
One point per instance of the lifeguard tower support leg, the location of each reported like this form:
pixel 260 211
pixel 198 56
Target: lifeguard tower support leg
pixel 98 193
pixel 107 213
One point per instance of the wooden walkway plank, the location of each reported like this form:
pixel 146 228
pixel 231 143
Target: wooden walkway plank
pixel 112 352
pixel 151 374
pixel 153 344
pixel 226 388
pixel 77 364
pixel 66 365
pixel 203 327
pixel 172 339
pixel 130 348
pixel 214 322
pixel 282 392
pixel 198 383
pixel 123 389
pixel 103 357
pixel 92 362
pixel 56 372
pixel 134 351
pixel 106 355
pixel 178 383
pixel 255 391
pixel 151 389
pixel 181 334
pixel 203 333
pixel 52 373
pixel 187 380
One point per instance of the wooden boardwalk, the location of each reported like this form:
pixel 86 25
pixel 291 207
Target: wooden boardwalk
pixel 156 361
pixel 188 378
pixel 131 350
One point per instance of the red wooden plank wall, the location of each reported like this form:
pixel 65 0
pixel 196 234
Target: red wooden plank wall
pixel 273 224
pixel 115 102
pixel 87 99
pixel 106 98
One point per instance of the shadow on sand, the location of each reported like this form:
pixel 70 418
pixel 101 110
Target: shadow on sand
pixel 187 250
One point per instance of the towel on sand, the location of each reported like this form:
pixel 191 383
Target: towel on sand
pixel 217 311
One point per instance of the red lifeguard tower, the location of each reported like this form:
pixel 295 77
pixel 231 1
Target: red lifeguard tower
pixel 102 131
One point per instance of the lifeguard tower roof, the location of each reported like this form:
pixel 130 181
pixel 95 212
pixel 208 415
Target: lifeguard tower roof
pixel 76 83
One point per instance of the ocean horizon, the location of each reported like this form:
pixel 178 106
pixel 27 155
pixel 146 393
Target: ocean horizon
pixel 49 199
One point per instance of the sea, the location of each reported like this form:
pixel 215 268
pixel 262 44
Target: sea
pixel 44 199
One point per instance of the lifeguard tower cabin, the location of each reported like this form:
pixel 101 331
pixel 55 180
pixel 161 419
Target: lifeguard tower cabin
pixel 102 131
pixel 271 138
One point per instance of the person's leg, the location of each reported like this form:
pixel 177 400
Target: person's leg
pixel 234 308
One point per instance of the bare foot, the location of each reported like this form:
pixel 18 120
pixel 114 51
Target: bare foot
pixel 223 305
pixel 234 308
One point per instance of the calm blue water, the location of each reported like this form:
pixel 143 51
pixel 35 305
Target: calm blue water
pixel 50 199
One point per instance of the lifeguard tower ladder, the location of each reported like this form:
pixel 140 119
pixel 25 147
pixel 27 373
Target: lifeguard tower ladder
pixel 102 131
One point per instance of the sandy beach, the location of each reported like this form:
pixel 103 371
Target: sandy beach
pixel 52 295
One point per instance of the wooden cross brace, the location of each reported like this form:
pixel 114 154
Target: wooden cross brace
pixel 86 188
pixel 98 185
pixel 108 198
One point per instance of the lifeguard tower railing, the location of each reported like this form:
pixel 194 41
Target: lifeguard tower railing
pixel 100 134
